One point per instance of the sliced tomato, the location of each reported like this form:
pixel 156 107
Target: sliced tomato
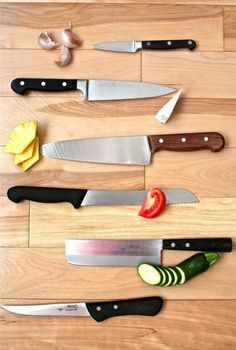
pixel 154 204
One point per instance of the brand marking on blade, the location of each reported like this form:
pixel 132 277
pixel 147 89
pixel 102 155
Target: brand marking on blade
pixel 68 308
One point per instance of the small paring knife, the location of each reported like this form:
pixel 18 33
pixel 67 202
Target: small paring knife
pixel 83 197
pixel 133 46
pixel 93 90
pixel 132 252
pixel 130 150
pixel 99 311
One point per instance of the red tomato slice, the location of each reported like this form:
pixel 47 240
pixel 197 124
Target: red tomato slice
pixel 154 204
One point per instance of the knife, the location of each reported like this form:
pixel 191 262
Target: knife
pixel 131 252
pixel 93 90
pixel 133 46
pixel 83 197
pixel 135 150
pixel 99 311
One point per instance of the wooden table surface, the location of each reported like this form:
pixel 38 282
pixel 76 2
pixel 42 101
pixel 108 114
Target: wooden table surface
pixel 198 315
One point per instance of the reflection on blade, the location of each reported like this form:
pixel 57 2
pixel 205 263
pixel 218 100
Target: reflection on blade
pixel 120 46
pixel 73 309
pixel 114 197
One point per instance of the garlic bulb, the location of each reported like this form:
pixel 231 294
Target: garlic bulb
pixel 64 57
pixel 46 42
pixel 69 39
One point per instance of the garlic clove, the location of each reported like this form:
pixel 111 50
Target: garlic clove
pixel 64 57
pixel 46 42
pixel 69 39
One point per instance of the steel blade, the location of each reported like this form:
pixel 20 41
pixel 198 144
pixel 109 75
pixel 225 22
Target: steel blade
pixel 113 252
pixel 74 309
pixel 120 46
pixel 179 196
pixel 133 150
pixel 99 90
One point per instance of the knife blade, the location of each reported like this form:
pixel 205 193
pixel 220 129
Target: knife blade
pixel 133 46
pixel 84 197
pixel 132 252
pixel 93 90
pixel 135 150
pixel 149 306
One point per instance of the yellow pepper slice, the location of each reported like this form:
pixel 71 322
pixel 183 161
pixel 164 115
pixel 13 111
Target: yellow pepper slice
pixel 26 154
pixel 35 156
pixel 21 137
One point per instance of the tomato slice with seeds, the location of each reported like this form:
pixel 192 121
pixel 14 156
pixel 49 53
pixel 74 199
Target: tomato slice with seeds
pixel 154 204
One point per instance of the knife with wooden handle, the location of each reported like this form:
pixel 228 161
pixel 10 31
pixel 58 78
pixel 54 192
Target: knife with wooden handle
pixel 131 150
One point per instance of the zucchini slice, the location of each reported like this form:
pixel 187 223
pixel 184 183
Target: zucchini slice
pixel 179 274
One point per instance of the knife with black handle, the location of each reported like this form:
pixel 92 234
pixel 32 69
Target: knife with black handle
pixel 169 44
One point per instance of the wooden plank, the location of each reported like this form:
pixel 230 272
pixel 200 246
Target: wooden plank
pixel 203 172
pixel 190 321
pixel 44 273
pixel 65 118
pixel 14 223
pixel 52 224
pixel 230 28
pixel 87 64
pixel 96 23
pixel 160 2
pixel 59 173
pixel 201 75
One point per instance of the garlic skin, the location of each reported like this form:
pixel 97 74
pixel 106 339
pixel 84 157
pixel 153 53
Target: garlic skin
pixel 64 57
pixel 69 39
pixel 46 42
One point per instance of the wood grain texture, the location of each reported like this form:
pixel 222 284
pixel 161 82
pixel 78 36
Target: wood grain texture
pixel 202 75
pixel 230 28
pixel 212 332
pixel 14 224
pixel 97 22
pixel 50 276
pixel 49 223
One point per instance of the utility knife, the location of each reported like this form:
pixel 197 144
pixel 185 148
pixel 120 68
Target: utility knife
pixel 84 197
pixel 130 150
pixel 132 252
pixel 93 90
pixel 133 46
pixel 99 311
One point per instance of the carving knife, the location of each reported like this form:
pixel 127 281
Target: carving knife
pixel 93 90
pixel 99 311
pixel 133 46
pixel 83 197
pixel 131 252
pixel 130 150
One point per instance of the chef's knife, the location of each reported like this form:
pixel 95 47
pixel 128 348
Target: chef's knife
pixel 83 197
pixel 133 46
pixel 135 150
pixel 93 90
pixel 131 252
pixel 149 306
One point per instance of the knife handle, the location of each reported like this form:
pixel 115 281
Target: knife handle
pixel 149 306
pixel 169 44
pixel 47 195
pixel 22 85
pixel 201 244
pixel 187 142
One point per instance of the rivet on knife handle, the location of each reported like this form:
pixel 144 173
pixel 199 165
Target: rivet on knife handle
pixel 149 306
pixel 169 44
pixel 201 244
pixel 187 142
pixel 22 85
pixel 47 195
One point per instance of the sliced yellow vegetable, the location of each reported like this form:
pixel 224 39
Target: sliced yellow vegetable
pixel 35 156
pixel 26 154
pixel 21 137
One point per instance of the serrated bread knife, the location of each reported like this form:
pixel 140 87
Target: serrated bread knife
pixel 133 46
pixel 130 150
pixel 99 311
pixel 131 252
pixel 93 90
pixel 83 197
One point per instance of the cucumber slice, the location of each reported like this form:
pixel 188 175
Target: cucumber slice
pixel 177 272
pixel 170 277
pixel 182 278
pixel 150 274
pixel 173 274
pixel 163 274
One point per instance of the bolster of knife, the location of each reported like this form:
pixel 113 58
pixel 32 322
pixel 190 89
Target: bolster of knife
pixel 47 194
pixel 149 306
pixel 22 85
pixel 199 244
